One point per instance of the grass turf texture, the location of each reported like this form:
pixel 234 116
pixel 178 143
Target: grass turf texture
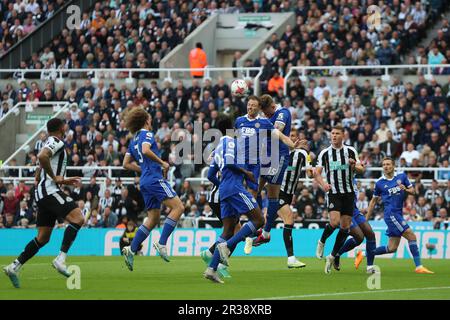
pixel 253 277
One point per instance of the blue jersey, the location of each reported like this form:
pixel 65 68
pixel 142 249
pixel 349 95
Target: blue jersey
pixel 252 134
pixel 391 194
pixel 282 116
pixel 232 181
pixel 150 170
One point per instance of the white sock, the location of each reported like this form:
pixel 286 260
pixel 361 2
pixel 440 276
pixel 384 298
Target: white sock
pixel 292 259
pixel 16 265
pixel 61 256
pixel 265 234
pixel 221 266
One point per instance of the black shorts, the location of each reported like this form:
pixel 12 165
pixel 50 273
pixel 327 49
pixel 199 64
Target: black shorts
pixel 215 207
pixel 344 203
pixel 52 207
pixel 284 199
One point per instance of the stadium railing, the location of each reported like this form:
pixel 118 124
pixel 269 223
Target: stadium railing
pixel 365 181
pixel 428 68
pixel 203 180
pixel 58 106
pixel 59 75
pixel 108 170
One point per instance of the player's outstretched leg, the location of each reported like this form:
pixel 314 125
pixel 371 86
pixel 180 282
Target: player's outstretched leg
pixel 370 246
pixel 327 232
pixel 412 243
pixel 211 272
pixel 12 270
pixel 352 242
pixel 141 234
pixel 345 222
pixel 273 193
pixel 76 220
pixel 287 215
pixel 176 210
pixel 248 229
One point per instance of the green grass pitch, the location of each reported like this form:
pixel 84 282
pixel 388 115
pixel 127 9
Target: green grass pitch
pixel 253 278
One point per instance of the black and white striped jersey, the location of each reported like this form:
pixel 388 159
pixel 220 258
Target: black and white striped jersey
pixel 298 159
pixel 335 163
pixel 58 162
pixel 214 195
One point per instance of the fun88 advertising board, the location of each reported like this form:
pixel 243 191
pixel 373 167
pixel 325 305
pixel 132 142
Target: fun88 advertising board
pixel 190 242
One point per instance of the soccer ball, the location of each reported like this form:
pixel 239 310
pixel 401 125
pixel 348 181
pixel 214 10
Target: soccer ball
pixel 239 88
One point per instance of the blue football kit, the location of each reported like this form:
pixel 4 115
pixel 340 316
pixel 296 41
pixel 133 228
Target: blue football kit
pixel 393 198
pixel 154 188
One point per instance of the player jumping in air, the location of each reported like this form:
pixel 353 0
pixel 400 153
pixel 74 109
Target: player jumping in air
pixel 52 203
pixel 235 200
pixel 298 159
pixel 392 189
pixel 273 174
pixel 154 188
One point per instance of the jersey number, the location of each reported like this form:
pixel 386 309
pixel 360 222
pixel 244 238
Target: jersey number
pixel 141 159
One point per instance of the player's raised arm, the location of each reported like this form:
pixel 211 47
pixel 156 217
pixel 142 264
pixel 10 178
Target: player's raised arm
pixel 283 138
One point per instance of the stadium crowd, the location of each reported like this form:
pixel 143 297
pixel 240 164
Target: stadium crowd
pixel 407 121
pixel 19 18
pixel 138 34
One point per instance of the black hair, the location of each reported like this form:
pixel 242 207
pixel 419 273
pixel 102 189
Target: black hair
pixel 199 45
pixel 54 125
pixel 224 123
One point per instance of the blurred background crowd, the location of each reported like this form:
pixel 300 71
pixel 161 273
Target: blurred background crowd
pixel 407 120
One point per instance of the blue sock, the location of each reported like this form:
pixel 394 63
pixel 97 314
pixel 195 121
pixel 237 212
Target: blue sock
pixel 140 237
pixel 381 250
pixel 247 230
pixel 259 201
pixel 271 214
pixel 370 254
pixel 348 245
pixel 216 257
pixel 415 252
pixel 169 225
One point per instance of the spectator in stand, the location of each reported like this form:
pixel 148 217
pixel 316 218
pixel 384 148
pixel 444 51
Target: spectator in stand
pixel 410 154
pixel 197 59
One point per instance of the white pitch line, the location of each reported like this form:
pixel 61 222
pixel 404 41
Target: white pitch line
pixel 351 293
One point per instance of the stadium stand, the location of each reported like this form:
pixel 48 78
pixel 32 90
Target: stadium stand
pixel 409 121
pixel 21 17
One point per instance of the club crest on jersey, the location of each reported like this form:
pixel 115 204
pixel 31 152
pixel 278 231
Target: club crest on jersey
pixel 257 125
pixel 331 206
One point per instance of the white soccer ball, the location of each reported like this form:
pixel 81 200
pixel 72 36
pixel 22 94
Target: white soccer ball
pixel 239 88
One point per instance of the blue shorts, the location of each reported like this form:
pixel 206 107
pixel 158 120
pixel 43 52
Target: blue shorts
pixel 237 204
pixel 357 219
pixel 155 192
pixel 278 175
pixel 396 225
pixel 253 168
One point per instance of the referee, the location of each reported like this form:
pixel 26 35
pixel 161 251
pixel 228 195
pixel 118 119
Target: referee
pixel 339 163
